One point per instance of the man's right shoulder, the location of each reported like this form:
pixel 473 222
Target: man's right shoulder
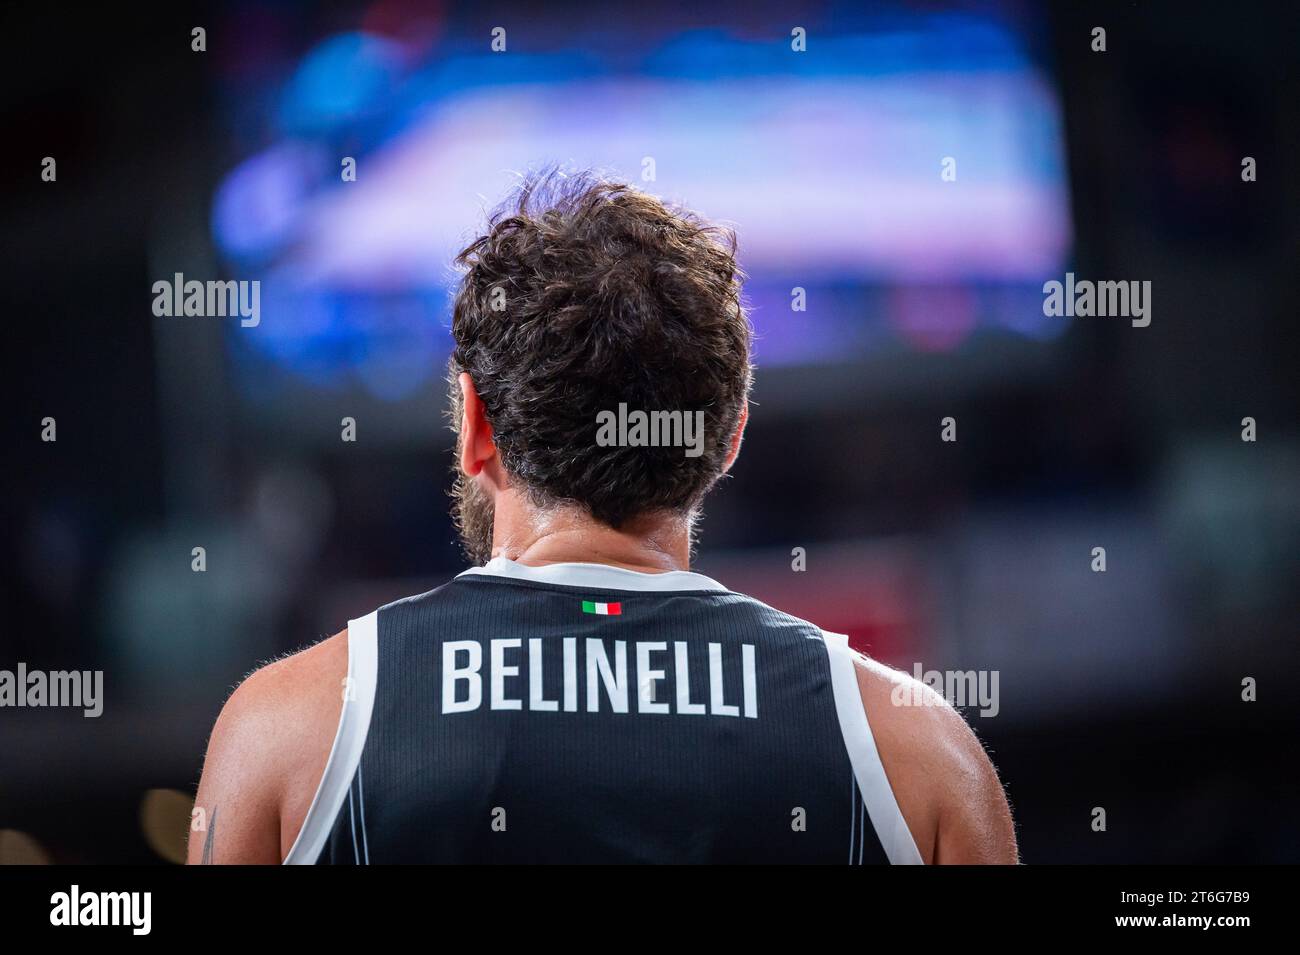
pixel 942 778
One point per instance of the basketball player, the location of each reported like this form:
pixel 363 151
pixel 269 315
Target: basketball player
pixel 581 695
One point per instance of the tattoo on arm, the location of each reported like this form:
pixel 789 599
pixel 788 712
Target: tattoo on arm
pixel 207 841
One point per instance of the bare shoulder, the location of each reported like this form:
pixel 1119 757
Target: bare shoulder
pixel 274 705
pixel 267 752
pixel 275 684
pixel 942 778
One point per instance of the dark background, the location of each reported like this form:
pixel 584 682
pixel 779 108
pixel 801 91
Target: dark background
pixel 1120 690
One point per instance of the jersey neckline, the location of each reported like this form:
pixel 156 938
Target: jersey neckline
pixel 597 576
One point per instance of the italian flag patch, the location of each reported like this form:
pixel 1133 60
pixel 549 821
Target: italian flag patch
pixel 605 610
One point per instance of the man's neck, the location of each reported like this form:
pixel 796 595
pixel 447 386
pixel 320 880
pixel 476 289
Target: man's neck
pixel 651 544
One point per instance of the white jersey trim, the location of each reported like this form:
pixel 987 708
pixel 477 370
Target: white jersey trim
pixel 349 741
pixel 877 795
pixel 596 576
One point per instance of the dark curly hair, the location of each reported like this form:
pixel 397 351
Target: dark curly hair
pixel 603 295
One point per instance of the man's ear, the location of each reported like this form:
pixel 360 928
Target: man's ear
pixel 476 445
pixel 736 438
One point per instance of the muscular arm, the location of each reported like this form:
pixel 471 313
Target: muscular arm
pixel 266 757
pixel 943 780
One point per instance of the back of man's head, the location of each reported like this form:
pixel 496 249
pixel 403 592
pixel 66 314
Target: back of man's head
pixel 585 295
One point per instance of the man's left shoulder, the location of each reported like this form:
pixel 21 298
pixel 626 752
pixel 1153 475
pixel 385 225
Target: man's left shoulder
pixel 270 744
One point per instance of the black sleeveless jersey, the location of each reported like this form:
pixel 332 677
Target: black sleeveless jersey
pixel 586 713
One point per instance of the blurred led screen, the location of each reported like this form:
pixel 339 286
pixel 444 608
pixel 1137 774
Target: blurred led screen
pixel 828 164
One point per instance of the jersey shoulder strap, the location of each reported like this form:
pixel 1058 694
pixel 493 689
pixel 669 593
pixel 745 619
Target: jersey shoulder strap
pixel 336 784
pixel 877 795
